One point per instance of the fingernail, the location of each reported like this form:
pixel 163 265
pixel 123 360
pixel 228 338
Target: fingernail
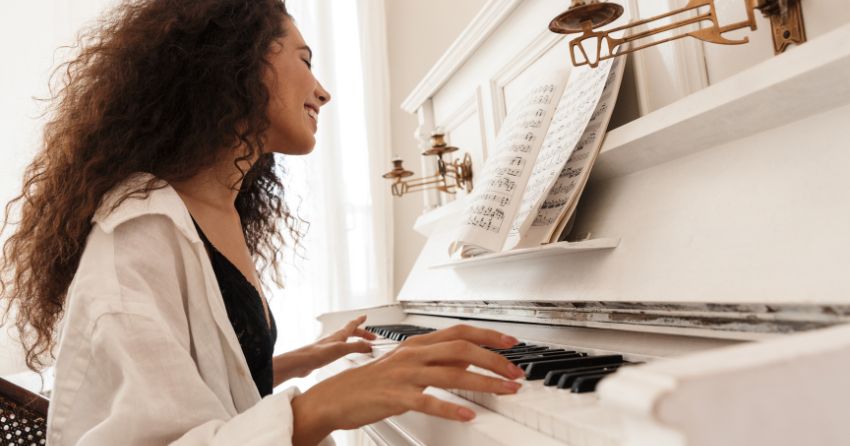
pixel 511 386
pixel 465 413
pixel 509 340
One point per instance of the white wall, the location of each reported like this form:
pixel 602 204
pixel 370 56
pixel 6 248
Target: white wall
pixel 30 33
pixel 418 33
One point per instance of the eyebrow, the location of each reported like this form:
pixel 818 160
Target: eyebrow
pixel 305 47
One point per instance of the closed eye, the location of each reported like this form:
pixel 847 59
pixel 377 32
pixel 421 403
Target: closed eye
pixel 309 64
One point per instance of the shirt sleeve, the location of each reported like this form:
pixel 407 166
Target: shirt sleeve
pixel 151 393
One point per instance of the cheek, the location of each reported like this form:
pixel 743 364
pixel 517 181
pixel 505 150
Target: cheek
pixel 283 107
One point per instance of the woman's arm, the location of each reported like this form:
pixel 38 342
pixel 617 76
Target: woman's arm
pixel 299 363
pixel 394 384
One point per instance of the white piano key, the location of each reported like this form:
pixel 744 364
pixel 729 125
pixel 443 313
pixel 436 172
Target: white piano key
pixel 569 417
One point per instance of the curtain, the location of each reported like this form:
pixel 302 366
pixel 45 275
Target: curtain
pixel 347 252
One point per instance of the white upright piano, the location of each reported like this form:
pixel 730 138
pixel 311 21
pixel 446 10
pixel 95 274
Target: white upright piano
pixel 724 184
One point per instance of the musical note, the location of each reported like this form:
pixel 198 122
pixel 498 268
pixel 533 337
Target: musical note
pixel 550 204
pixel 500 200
pixel 503 184
pixel 487 218
pixel 562 189
pixel 579 156
pixel 570 172
pixel 510 171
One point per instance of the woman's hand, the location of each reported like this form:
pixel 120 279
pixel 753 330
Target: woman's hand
pixel 299 363
pixel 394 384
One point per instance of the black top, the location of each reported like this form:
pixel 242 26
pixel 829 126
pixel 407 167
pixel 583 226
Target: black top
pixel 247 315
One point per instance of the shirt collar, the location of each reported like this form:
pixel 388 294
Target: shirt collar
pixel 161 200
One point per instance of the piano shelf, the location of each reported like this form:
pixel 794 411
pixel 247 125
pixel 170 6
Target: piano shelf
pixel 551 249
pixel 797 84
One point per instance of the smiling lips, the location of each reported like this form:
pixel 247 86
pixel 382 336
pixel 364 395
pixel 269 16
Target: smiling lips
pixel 312 111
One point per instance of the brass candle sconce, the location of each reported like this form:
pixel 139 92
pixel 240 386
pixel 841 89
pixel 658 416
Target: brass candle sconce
pixel 585 16
pixel 449 178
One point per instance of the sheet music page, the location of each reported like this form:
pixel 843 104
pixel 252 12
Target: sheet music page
pixel 547 218
pixel 576 108
pixel 493 204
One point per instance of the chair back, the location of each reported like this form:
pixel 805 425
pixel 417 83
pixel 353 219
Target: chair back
pixel 23 416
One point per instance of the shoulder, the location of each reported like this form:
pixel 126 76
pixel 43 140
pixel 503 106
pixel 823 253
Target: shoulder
pixel 140 253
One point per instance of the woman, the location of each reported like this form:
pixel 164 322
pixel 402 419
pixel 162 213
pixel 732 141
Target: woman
pixel 144 220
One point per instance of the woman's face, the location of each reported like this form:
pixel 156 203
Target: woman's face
pixel 295 95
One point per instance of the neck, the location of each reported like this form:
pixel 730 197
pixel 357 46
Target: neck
pixel 216 186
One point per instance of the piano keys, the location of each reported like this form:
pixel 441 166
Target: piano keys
pixel 543 414
pixel 566 369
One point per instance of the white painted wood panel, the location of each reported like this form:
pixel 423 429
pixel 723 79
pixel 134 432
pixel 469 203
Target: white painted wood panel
pixel 552 59
pixel 820 17
pixel 465 129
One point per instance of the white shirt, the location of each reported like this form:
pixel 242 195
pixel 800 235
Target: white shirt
pixel 147 353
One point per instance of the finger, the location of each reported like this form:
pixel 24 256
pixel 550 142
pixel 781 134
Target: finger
pixel 350 327
pixel 347 331
pixel 434 406
pixel 344 348
pixel 354 323
pixel 359 347
pixel 456 378
pixel 365 334
pixel 455 351
pixel 475 335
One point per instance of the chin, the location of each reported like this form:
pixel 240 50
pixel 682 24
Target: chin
pixel 293 147
pixel 303 151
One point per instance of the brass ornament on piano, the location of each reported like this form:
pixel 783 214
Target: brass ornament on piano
pixel 586 16
pixel 449 177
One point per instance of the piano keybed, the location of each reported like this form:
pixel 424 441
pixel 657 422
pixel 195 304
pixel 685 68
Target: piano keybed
pixel 558 394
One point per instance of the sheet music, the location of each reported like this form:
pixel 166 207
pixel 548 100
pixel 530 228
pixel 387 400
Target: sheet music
pixel 494 202
pixel 576 108
pixel 551 215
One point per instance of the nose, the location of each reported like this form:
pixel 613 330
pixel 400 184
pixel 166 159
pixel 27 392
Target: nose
pixel 323 95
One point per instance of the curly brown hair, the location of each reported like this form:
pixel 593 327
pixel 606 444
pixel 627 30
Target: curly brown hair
pixel 165 87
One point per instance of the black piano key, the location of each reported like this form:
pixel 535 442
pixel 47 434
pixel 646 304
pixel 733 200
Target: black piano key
pixel 587 383
pixel 566 380
pixel 517 349
pixel 538 370
pixel 553 376
pixel 521 363
pixel 398 332
pixel 543 357
pixel 520 345
pixel 541 352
